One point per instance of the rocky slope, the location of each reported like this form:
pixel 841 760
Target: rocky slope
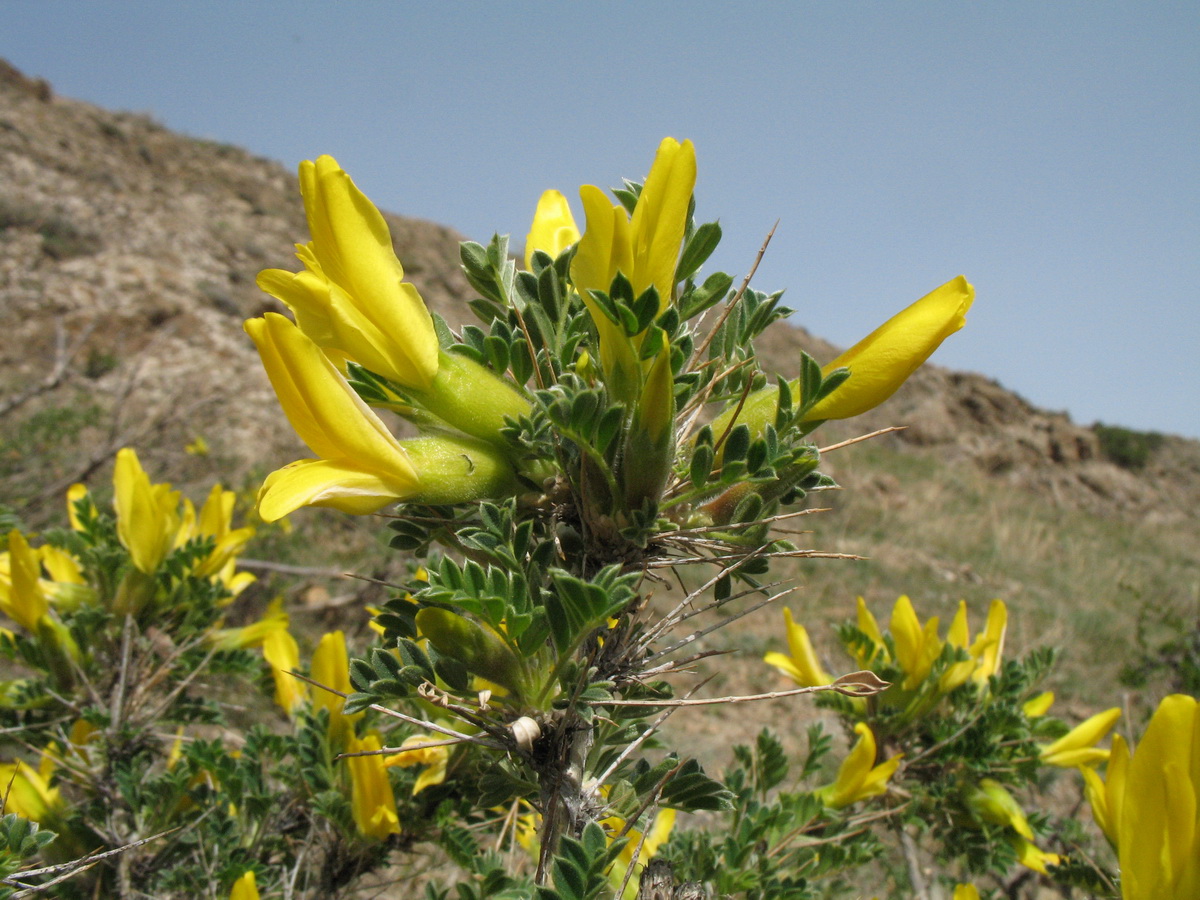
pixel 127 263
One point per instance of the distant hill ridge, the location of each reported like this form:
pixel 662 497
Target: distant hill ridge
pixel 137 248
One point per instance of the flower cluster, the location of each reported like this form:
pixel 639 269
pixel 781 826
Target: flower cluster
pixel 159 531
pixel 363 340
pixel 947 693
pixel 355 313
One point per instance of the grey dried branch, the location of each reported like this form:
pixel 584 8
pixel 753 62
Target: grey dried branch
pixel 66 870
pixel 64 355
pixel 729 307
pixel 862 437
pixel 412 720
pixel 856 684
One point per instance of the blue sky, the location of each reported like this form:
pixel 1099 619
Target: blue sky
pixel 1045 150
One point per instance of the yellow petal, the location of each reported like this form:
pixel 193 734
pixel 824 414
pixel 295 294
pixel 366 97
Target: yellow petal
pixel 1097 798
pixel 553 229
pixel 965 892
pixel 281 652
pixel 147 521
pixel 352 248
pixel 858 777
pixel 24 601
pixel 989 646
pixel 803 654
pixel 245 888
pixel 785 665
pixel 993 803
pixel 1038 706
pixel 868 625
pixel 323 409
pixel 606 248
pixel 337 484
pixel 1033 858
pixel 1115 778
pixel 254 634
pixel 884 359
pixel 430 776
pixel 76 493
pixel 959 634
pixel 331 667
pixel 28 792
pixel 1158 841
pixel 372 802
pixel 916 647
pixel 363 467
pixel 1077 746
pixel 659 218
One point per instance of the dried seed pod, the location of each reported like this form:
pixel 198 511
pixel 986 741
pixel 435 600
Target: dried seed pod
pixel 525 731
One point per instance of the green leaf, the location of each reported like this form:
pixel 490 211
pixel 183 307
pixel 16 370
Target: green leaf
pixel 737 444
pixel 716 286
pixel 697 250
pixel 770 761
pixel 645 308
pixel 385 664
pixel 701 465
pixel 609 427
pixel 690 789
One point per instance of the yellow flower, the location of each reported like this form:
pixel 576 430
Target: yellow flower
pixel 984 652
pixel 215 521
pixel 283 655
pixel 1100 795
pixel 917 647
pixel 883 360
pixel 352 302
pixel 859 777
pixel 878 364
pixel 553 229
pixel 28 792
pixel 147 514
pixel 866 623
pixel 415 752
pixel 197 447
pixel 989 646
pixel 22 596
pixel 252 635
pixel 372 801
pixel 76 493
pixel 361 466
pixel 1078 746
pixel 1030 856
pixel 993 803
pixel 331 667
pixel 1155 805
pixel 351 298
pixel 527 827
pixel 1036 707
pixel 801 665
pixel 643 247
pixel 245 888
pixel 965 892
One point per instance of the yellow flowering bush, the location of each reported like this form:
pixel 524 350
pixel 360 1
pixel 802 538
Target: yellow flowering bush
pixel 607 419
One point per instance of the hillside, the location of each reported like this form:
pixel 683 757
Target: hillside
pixel 127 263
